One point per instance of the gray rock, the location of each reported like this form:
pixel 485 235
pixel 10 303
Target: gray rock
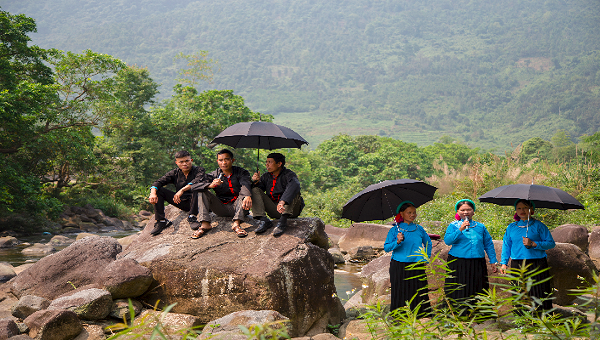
pixel 594 245
pixel 7 271
pixel 228 325
pixel 127 225
pixel 335 234
pixel 127 240
pixel 91 332
pixel 88 304
pixel 8 328
pixel 364 234
pixel 78 264
pixel 20 337
pixel 88 227
pixel 53 325
pixel 38 249
pixel 120 308
pixel 170 321
pixel 338 257
pixel 145 213
pixel 60 240
pixel 84 235
pixel 72 222
pixel 8 242
pixel 567 262
pixel 28 305
pixel 361 253
pixel 125 278
pixel 572 233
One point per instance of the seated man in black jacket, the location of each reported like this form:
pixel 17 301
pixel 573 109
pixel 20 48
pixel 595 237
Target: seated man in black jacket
pixel 276 193
pixel 185 178
pixel 232 188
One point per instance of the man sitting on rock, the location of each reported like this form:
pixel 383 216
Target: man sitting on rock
pixel 232 197
pixel 277 193
pixel 185 178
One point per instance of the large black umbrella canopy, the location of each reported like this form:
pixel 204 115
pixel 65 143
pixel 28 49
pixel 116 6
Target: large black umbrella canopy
pixel 260 135
pixel 541 195
pixel 379 201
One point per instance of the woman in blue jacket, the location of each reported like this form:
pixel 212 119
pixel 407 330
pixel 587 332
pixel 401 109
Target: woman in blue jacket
pixel 525 243
pixel 405 240
pixel 470 242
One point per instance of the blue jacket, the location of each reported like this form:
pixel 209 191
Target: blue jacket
pixel 512 246
pixel 471 242
pixel 415 237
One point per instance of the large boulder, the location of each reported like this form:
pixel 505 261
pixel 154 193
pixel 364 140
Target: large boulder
pixel 57 324
pixel 125 278
pixel 170 322
pixel 335 234
pixel 594 245
pixel 364 234
pixel 8 242
pixel 220 273
pixel 88 304
pixel 38 249
pixel 79 264
pixel 8 328
pixel 567 262
pixel 28 305
pixel 572 233
pixel 7 272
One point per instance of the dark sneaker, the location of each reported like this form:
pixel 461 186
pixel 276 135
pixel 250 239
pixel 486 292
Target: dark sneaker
pixel 279 229
pixel 192 218
pixel 263 225
pixel 160 226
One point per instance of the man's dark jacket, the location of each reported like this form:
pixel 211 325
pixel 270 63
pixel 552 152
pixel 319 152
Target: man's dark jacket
pixel 240 183
pixel 287 186
pixel 197 176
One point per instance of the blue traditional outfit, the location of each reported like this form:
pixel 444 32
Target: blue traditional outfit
pixel 513 249
pixel 466 259
pixel 405 282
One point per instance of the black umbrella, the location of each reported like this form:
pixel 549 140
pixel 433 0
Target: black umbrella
pixel 259 135
pixel 541 195
pixel 379 201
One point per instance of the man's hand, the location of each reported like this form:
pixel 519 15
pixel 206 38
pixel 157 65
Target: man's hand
pixel 280 207
pixel 177 197
pixel 153 198
pixel 256 176
pixel 215 183
pixel 247 203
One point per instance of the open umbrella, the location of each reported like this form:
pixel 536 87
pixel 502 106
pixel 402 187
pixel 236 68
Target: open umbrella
pixel 260 135
pixel 379 201
pixel 541 195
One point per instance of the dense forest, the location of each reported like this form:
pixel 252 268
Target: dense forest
pixel 489 73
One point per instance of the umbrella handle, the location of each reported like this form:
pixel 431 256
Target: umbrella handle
pixel 257 159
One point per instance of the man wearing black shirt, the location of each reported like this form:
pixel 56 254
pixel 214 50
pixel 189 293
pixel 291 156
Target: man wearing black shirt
pixel 232 197
pixel 185 178
pixel 276 193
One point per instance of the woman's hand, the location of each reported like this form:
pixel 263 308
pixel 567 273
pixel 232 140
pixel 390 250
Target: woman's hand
pixel 400 237
pixel 503 269
pixel 528 243
pixel 494 267
pixel 465 224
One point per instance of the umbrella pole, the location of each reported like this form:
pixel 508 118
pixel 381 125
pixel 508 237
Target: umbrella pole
pixel 257 159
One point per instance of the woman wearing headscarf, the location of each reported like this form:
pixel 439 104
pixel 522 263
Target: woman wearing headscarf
pixel 525 243
pixel 470 241
pixel 405 240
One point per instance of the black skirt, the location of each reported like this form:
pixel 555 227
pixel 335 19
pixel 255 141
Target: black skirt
pixel 405 286
pixel 541 290
pixel 469 277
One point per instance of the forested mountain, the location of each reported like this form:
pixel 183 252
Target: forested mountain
pixel 490 73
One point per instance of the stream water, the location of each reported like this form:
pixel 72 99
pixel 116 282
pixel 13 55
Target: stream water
pixel 347 280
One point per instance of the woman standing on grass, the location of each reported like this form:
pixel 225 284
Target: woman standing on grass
pixel 470 241
pixel 405 240
pixel 525 243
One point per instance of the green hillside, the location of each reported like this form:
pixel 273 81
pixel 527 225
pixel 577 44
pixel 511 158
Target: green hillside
pixel 490 73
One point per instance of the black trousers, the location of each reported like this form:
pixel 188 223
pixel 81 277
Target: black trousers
pixel 469 278
pixel 542 290
pixel 405 285
pixel 189 204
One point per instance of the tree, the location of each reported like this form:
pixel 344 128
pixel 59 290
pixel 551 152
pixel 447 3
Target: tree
pixel 199 67
pixel 535 148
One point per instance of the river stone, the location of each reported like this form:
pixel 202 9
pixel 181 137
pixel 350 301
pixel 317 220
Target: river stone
pixel 361 253
pixel 19 269
pixel 28 305
pixel 145 213
pixel 594 245
pixel 170 321
pixel 38 249
pixel 84 235
pixel 334 234
pixel 88 304
pixel 120 308
pixel 359 329
pixel 8 328
pixel 88 227
pixel 60 240
pixel 220 273
pixel 91 332
pixel 227 327
pixel 338 257
pixel 72 222
pixel 364 234
pixel 567 262
pixel 572 233
pixel 125 278
pixel 78 264
pixel 7 272
pixel 125 241
pixel 127 225
pixel 57 324
pixel 8 242
pixel 71 230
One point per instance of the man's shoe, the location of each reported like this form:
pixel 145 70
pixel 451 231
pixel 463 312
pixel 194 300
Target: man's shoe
pixel 160 226
pixel 263 225
pixel 192 218
pixel 279 229
pixel 195 225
